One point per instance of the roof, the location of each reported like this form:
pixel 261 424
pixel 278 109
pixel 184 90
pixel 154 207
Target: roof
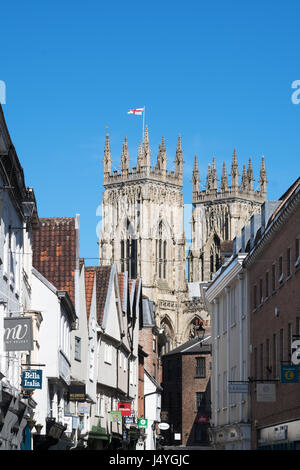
pixel 55 251
pixel 193 346
pixel 102 284
pixel 288 193
pixel 89 276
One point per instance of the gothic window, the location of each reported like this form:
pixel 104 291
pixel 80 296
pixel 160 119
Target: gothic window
pixel 161 254
pixel 129 257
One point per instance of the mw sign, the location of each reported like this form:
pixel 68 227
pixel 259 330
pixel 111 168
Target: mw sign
pixel 18 334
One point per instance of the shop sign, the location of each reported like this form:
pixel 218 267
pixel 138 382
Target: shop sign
pixel 83 408
pixel 129 419
pixel 142 423
pixel 163 426
pixel 18 334
pixel 125 408
pixel 238 387
pixel 265 392
pixel 115 416
pixel 32 379
pixel 77 392
pixel 289 374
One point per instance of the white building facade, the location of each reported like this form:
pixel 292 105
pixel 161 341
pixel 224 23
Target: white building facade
pixel 227 300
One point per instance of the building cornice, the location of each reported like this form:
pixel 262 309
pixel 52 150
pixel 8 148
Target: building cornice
pixel 226 277
pixel 280 219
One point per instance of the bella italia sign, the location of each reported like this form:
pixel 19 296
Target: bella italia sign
pixel 18 334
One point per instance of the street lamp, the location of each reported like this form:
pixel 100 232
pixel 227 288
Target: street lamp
pixel 200 332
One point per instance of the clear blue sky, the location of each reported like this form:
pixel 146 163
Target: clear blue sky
pixel 217 72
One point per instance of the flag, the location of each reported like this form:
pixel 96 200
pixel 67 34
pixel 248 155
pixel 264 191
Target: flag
pixel 137 111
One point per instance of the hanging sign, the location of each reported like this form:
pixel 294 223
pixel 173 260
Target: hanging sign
pixel 289 373
pixel 125 408
pixel 142 423
pixel 115 416
pixel 18 334
pixel 32 379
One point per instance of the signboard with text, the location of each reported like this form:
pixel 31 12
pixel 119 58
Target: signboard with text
pixel 32 379
pixel 266 392
pixel 125 408
pixel 289 373
pixel 18 335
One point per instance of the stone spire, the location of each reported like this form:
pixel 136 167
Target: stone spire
pixel 208 179
pixel 224 182
pixel 162 156
pixel 107 157
pixel 195 179
pixel 250 175
pixel 139 162
pixel 234 171
pixel 244 182
pixel 214 175
pixel 263 178
pixel 146 149
pixel 125 158
pixel 179 160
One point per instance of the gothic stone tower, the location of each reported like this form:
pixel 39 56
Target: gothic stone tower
pixel 142 229
pixel 219 215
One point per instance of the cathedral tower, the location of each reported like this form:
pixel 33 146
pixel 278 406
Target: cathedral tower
pixel 142 228
pixel 219 215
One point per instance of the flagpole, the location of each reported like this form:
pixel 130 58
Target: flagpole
pixel 143 122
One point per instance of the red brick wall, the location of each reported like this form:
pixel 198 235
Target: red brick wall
pixel 190 385
pixel 264 324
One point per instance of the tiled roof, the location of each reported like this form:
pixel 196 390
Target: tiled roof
pixel 54 252
pixel 121 277
pixel 102 283
pixel 89 275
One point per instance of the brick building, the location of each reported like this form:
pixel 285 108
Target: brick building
pixel 273 264
pixel 186 393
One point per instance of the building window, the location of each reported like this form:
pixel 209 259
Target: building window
pixel 297 251
pixel 261 297
pixel 280 264
pixel 200 400
pixel 274 356
pixel 288 262
pixel 225 389
pixel 267 285
pixel 161 254
pixel 268 356
pixel 281 345
pixel 77 348
pixel 129 257
pixel 154 343
pixel 273 277
pixel 108 353
pixel 255 363
pixel 255 297
pixel 200 367
pixel 261 360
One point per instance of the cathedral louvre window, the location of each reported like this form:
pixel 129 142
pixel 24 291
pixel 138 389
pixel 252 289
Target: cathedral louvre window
pixel 129 257
pixel 161 254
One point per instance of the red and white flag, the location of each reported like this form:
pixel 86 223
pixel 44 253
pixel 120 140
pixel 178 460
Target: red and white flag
pixel 137 111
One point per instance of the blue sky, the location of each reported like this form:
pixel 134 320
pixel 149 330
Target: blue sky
pixel 219 73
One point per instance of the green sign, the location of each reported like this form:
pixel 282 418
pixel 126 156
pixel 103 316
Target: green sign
pixel 142 423
pixel 289 374
pixel 115 416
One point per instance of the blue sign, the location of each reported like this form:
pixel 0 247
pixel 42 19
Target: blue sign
pixel 129 419
pixel 289 373
pixel 32 379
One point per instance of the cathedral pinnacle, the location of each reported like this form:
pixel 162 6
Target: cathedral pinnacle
pixel 125 157
pixel 179 159
pixel 214 175
pixel 146 149
pixel 244 182
pixel 250 175
pixel 107 157
pixel 234 171
pixel 162 156
pixel 195 179
pixel 224 182
pixel 263 177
